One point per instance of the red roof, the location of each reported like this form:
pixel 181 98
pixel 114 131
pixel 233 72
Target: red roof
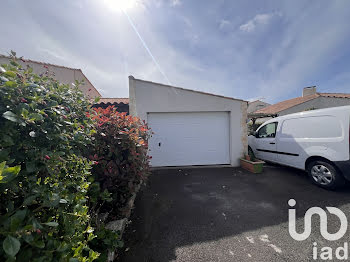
pixel 114 100
pixel 337 95
pixel 276 108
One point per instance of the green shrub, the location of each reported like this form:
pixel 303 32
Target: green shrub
pixel 253 127
pixel 121 158
pixel 50 201
pixel 44 180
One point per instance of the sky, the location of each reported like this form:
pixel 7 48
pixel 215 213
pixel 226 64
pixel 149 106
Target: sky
pixel 247 49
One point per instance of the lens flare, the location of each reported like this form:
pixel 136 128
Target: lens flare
pixel 118 5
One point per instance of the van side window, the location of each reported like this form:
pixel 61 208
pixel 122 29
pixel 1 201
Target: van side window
pixel 267 131
pixel 312 127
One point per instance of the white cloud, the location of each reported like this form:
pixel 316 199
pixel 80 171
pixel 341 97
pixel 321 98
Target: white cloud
pixel 248 27
pixel 176 2
pixel 53 53
pixel 252 99
pixel 262 18
pixel 259 19
pixel 224 23
pixel 187 21
pixel 299 59
pixel 275 65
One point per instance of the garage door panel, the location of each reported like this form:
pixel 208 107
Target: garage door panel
pixel 200 138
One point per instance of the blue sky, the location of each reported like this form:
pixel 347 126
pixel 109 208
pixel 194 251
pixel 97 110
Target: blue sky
pixel 244 49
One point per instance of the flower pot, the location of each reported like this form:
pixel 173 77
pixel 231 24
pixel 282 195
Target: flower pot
pixel 255 167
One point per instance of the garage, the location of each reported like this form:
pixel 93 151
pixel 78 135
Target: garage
pixel 190 127
pixel 182 139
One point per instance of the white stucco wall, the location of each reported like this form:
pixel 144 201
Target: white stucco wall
pixel 62 74
pixel 147 97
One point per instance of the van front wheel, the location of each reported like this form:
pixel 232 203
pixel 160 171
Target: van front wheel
pixel 325 175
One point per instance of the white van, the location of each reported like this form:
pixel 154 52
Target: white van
pixel 316 141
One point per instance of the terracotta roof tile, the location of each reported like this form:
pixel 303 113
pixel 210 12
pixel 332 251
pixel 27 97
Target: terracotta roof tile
pixel 337 95
pixel 114 100
pixel 274 109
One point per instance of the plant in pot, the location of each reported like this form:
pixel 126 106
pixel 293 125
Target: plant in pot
pixel 251 163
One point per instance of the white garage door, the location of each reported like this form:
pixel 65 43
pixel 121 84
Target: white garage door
pixel 182 139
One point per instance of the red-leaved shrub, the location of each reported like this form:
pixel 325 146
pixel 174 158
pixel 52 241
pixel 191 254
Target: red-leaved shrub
pixel 120 155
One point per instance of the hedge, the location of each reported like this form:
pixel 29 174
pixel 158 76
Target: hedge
pixel 51 192
pixel 121 155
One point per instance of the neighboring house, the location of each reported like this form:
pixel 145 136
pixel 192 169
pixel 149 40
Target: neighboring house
pixel 121 104
pixel 190 127
pixel 256 105
pixel 252 108
pixel 63 74
pixel 309 100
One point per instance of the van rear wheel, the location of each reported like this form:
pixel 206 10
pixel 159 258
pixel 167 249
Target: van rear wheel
pixel 325 175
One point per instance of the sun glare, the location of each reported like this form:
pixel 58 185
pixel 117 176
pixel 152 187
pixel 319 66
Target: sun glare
pixel 119 5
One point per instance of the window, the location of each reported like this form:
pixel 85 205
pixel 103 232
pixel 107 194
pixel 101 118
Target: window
pixel 312 127
pixel 267 131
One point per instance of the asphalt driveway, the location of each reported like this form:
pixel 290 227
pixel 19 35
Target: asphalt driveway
pixel 227 214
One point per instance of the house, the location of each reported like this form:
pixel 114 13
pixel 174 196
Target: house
pixel 63 74
pixel 309 100
pixel 256 105
pixel 252 108
pixel 190 127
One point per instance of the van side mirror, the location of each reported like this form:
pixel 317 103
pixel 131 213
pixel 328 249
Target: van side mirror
pixel 256 134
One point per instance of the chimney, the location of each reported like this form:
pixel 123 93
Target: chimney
pixel 311 90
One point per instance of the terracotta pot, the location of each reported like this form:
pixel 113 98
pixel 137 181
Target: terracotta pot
pixel 255 167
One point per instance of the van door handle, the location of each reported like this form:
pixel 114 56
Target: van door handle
pixel 272 143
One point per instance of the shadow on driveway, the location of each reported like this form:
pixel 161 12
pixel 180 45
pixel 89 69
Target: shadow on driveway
pixel 226 214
